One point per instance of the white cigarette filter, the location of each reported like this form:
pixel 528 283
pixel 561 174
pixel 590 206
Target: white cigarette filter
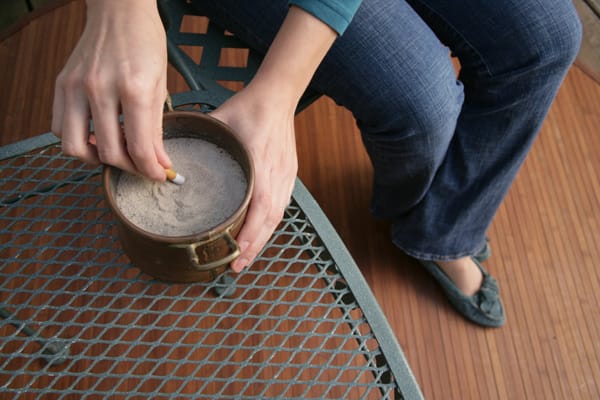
pixel 174 177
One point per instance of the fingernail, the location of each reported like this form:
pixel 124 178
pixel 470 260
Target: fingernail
pixel 240 264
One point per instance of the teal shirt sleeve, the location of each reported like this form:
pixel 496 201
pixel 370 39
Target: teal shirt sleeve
pixel 335 13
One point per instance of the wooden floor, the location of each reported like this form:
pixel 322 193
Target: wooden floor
pixel 545 236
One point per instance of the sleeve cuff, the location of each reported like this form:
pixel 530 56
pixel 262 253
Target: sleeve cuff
pixel 335 13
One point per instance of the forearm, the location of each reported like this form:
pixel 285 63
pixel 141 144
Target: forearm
pixel 299 47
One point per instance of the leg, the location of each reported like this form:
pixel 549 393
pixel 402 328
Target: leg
pixel 513 57
pixel 513 60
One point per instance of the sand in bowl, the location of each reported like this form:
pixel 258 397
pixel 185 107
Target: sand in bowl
pixel 214 188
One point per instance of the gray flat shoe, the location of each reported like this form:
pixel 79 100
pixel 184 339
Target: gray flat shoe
pixel 484 307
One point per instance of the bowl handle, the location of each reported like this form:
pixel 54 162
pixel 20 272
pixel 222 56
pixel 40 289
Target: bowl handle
pixel 195 260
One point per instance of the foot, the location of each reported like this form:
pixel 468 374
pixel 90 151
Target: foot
pixel 464 273
pixel 475 294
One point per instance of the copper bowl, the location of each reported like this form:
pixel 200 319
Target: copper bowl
pixel 192 258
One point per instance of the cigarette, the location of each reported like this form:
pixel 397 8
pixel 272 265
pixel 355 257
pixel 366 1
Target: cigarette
pixel 174 177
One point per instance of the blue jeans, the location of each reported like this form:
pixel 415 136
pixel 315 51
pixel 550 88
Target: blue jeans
pixel 445 149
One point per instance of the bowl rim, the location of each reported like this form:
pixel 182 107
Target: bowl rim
pixel 109 171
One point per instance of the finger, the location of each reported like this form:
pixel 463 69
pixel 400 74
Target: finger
pixel 161 155
pixel 142 127
pixel 74 129
pixel 58 108
pixel 261 221
pixel 283 197
pixel 159 148
pixel 252 237
pixel 108 134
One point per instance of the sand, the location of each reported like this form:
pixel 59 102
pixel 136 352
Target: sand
pixel 214 188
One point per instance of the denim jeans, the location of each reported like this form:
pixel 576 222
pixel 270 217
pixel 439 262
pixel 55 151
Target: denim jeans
pixel 444 148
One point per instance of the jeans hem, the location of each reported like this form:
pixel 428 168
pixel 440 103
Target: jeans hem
pixel 426 256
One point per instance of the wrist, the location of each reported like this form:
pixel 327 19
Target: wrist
pixel 293 57
pixel 274 94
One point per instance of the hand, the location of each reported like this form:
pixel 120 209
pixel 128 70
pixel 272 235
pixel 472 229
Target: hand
pixel 266 127
pixel 119 64
pixel 262 115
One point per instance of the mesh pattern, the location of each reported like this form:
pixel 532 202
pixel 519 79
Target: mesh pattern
pixel 289 326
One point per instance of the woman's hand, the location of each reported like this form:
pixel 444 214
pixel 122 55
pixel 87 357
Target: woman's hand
pixel 262 115
pixel 118 65
pixel 266 127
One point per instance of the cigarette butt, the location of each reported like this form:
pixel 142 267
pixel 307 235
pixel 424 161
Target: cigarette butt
pixel 174 177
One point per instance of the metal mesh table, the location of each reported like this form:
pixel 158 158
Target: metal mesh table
pixel 80 322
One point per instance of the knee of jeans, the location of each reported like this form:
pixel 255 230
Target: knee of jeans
pixel 427 117
pixel 407 128
pixel 551 46
pixel 409 140
pixel 560 45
